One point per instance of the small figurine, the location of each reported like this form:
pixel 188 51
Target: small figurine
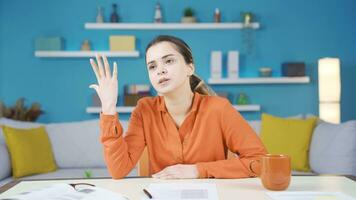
pixel 114 18
pixel 85 46
pixel 217 18
pixel 158 14
pixel 100 17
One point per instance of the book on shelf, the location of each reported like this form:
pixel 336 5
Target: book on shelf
pixel 134 92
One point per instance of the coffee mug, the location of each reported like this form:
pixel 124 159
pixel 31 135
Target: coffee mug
pixel 274 171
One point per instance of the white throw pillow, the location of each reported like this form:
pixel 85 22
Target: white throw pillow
pixel 333 148
pixel 5 164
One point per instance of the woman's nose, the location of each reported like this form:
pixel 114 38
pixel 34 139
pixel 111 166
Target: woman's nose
pixel 162 70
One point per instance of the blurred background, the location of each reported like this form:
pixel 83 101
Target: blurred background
pixel 289 31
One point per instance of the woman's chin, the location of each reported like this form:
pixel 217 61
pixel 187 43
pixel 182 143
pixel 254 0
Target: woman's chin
pixel 164 91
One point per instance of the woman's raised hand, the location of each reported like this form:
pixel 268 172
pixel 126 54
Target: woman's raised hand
pixel 106 88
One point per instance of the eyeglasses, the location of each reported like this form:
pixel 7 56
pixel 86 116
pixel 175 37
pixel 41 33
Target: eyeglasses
pixel 74 185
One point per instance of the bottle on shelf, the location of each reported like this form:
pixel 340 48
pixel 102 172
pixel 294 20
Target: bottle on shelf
pixel 99 16
pixel 158 14
pixel 114 18
pixel 217 15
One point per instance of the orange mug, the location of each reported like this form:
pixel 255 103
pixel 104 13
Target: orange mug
pixel 274 171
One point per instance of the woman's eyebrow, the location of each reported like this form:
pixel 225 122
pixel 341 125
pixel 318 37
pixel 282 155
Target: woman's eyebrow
pixel 163 57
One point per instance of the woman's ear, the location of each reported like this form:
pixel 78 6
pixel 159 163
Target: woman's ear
pixel 191 69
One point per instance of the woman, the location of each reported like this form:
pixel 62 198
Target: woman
pixel 186 129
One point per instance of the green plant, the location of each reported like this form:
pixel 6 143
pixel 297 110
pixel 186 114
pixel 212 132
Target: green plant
pixel 20 112
pixel 188 12
pixel 88 174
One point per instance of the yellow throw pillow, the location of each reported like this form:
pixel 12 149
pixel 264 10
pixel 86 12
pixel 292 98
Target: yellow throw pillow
pixel 288 136
pixel 30 151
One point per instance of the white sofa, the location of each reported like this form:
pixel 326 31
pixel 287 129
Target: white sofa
pixel 76 148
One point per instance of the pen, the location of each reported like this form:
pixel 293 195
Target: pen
pixel 147 193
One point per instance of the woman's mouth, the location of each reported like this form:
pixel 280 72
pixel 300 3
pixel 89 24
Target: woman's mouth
pixel 163 81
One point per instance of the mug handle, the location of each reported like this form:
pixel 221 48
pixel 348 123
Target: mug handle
pixel 250 167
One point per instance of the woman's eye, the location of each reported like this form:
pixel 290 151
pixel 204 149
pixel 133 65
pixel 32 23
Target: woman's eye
pixel 151 67
pixel 169 61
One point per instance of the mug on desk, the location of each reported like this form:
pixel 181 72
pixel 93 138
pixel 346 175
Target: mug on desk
pixel 274 171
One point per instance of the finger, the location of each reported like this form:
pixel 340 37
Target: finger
pixel 168 176
pixel 114 74
pixel 95 69
pixel 95 87
pixel 157 175
pixel 100 64
pixel 107 67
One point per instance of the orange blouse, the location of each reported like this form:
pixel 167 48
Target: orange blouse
pixel 211 128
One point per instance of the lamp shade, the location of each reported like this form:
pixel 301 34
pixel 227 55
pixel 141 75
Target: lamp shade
pixel 330 112
pixel 329 80
pixel 329 89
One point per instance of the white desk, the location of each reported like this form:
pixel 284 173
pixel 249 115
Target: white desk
pixel 250 188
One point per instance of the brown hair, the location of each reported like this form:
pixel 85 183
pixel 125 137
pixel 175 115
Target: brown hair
pixel 196 83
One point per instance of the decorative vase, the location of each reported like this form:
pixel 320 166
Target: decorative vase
pixel 265 72
pixel 189 19
pixel 99 16
pixel 114 18
pixel 158 14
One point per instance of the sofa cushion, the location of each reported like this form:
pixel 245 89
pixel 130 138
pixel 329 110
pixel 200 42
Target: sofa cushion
pixel 76 144
pixel 288 136
pixel 16 124
pixel 5 164
pixel 30 151
pixel 333 148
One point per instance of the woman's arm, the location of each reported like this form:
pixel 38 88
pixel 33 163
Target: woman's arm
pixel 122 153
pixel 241 139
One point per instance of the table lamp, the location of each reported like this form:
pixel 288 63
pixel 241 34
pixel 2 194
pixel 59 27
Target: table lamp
pixel 329 89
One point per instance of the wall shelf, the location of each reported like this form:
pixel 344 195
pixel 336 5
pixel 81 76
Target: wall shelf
pixel 84 54
pixel 269 80
pixel 170 26
pixel 129 109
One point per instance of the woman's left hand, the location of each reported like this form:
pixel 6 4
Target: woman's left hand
pixel 178 171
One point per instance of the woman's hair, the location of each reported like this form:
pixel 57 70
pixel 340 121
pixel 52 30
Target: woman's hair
pixel 196 83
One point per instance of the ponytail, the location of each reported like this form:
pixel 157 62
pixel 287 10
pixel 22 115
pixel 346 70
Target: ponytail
pixel 198 85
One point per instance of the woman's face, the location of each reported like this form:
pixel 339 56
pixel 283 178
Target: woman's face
pixel 166 67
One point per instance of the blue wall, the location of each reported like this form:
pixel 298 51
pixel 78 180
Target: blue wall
pixel 295 30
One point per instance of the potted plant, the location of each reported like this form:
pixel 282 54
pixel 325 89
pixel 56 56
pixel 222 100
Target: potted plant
pixel 247 18
pixel 188 16
pixel 20 112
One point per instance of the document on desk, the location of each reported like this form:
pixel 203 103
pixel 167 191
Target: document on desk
pixel 183 191
pixel 305 195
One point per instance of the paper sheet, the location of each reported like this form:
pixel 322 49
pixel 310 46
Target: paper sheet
pixel 185 191
pixel 304 195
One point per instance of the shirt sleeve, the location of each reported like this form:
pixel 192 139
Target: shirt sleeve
pixel 122 153
pixel 241 139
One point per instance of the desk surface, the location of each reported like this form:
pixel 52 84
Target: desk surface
pixel 227 188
